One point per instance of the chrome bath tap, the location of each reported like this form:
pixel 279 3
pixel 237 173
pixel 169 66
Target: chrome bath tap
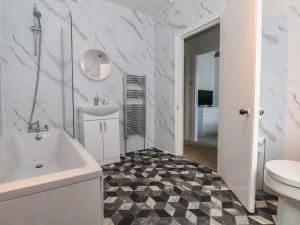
pixel 35 128
pixel 39 136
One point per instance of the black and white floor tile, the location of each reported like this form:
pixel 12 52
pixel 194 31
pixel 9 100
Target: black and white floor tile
pixel 152 187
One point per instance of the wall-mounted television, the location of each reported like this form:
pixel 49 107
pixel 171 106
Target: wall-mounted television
pixel 205 98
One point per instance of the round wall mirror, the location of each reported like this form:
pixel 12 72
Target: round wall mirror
pixel 95 64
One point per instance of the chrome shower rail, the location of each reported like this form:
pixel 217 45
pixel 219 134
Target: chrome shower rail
pixel 37 29
pixel 134 107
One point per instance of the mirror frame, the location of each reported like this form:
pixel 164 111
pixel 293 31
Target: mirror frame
pixel 81 60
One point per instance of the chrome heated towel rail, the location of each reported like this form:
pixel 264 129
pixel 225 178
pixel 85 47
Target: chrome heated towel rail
pixel 134 107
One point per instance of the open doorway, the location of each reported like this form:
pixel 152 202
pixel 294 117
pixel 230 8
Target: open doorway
pixel 201 96
pixel 239 85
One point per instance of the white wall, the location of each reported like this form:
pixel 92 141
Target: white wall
pixel 127 36
pixel 280 79
pixel 217 77
pixel 280 92
pixel 205 42
pixel 1 108
pixel 168 22
pixel 189 96
pixel 205 70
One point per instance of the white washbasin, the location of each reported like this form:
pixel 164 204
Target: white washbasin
pixel 99 110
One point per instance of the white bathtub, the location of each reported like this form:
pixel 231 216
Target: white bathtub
pixel 53 181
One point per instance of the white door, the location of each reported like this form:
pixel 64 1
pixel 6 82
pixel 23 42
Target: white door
pixel 93 138
pixel 239 97
pixel 111 138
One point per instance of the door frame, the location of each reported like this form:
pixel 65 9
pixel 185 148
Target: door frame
pixel 198 27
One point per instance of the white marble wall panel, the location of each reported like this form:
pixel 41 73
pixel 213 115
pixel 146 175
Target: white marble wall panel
pixel 273 85
pixel 19 67
pixel 280 85
pixel 129 39
pixel 273 90
pixel 127 36
pixel 280 93
pixel 168 22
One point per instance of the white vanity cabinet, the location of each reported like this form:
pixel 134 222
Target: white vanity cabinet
pixel 208 120
pixel 100 135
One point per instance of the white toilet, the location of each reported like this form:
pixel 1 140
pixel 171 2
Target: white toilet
pixel 283 177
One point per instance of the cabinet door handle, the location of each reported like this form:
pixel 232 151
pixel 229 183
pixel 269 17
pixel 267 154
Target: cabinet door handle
pixel 101 126
pixel 105 126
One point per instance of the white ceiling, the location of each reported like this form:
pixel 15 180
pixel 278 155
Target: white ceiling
pixel 149 7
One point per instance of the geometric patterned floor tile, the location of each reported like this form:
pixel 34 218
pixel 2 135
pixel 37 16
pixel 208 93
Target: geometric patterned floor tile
pixel 153 187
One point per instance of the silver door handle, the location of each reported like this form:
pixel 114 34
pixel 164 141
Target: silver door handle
pixel 105 126
pixel 245 112
pixel 101 126
pixel 261 112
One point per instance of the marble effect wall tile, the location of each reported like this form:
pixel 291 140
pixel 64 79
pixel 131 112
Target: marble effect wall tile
pixel 127 36
pixel 280 79
pixel 19 69
pixel 128 39
pixel 168 22
pixel 137 44
pixel 280 96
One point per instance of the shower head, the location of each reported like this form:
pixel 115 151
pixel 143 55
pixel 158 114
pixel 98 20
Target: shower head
pixel 36 13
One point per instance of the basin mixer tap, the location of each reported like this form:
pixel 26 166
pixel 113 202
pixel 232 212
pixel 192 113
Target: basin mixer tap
pixel 103 101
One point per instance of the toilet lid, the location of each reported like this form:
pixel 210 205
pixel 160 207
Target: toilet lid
pixel 287 172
